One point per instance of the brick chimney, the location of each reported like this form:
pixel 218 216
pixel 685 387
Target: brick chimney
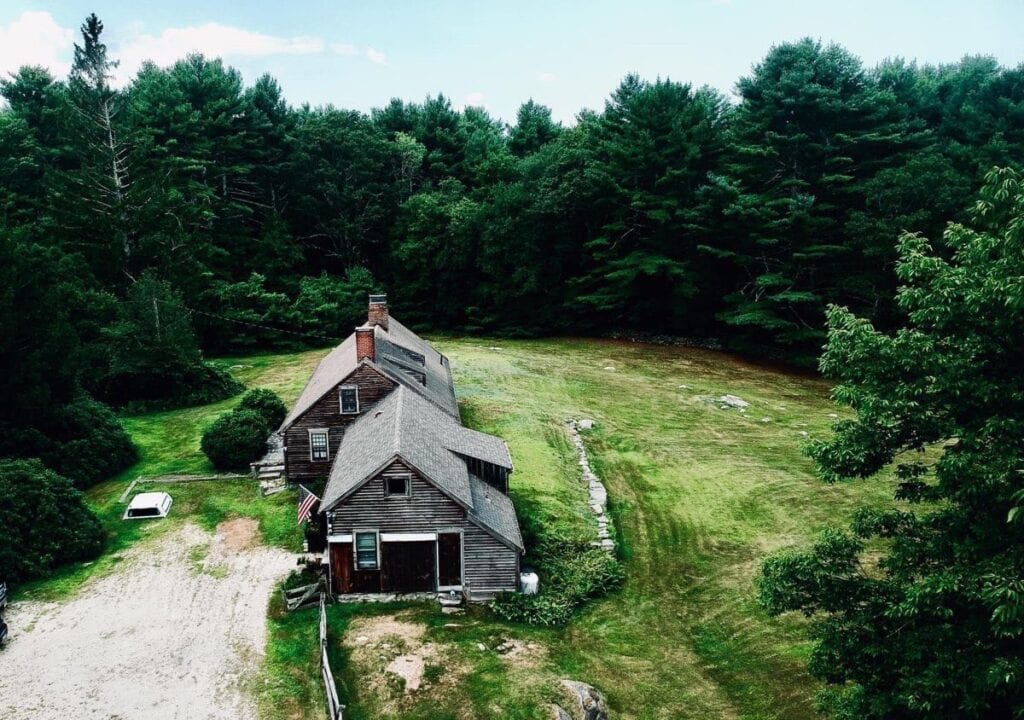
pixel 364 343
pixel 378 314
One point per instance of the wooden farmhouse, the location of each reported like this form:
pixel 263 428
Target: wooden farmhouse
pixel 414 501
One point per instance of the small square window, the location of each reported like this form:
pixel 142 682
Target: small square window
pixel 348 396
pixel 366 550
pixel 396 485
pixel 318 447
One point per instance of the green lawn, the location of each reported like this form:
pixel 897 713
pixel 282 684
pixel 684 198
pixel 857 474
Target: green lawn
pixel 700 495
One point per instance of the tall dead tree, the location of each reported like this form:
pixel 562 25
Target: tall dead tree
pixel 104 179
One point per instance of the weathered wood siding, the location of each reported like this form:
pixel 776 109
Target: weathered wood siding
pixel 427 509
pixel 489 567
pixel 326 413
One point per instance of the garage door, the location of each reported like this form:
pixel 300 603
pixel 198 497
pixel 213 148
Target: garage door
pixel 408 566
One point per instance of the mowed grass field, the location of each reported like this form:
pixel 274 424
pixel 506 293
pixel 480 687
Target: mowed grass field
pixel 699 495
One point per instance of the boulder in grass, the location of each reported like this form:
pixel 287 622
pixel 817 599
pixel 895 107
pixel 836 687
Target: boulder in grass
pixel 586 702
pixel 559 713
pixel 733 401
pixel 585 424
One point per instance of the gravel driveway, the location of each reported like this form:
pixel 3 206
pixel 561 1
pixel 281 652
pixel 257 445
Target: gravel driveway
pixel 176 632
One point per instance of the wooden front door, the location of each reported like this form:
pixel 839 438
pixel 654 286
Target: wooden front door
pixel 341 567
pixel 449 559
pixel 407 566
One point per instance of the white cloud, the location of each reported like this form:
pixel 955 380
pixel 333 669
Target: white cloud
pixel 344 49
pixel 475 99
pixel 547 77
pixel 376 56
pixel 35 38
pixel 211 39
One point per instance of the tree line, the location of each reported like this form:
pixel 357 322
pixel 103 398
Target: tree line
pixel 188 214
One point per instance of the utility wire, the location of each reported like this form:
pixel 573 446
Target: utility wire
pixel 260 326
pixel 263 327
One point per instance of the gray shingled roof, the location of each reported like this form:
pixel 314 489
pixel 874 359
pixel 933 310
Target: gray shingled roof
pixel 488 448
pixel 335 366
pixel 408 426
pixel 495 511
pixel 398 350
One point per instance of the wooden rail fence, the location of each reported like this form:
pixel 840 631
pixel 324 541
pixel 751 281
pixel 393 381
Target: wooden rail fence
pixel 335 709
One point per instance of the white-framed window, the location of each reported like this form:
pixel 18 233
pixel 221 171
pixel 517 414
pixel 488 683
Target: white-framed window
pixel 367 549
pixel 398 486
pixel 319 446
pixel 348 399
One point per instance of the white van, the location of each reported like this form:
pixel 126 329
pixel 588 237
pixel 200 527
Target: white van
pixel 148 505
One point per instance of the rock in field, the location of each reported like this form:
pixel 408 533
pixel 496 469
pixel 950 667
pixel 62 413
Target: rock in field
pixel 559 713
pixel 733 401
pixel 586 702
pixel 585 424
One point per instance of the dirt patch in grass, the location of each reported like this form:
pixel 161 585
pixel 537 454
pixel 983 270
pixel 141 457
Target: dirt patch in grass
pixel 520 655
pixel 239 534
pixel 400 671
pixel 383 632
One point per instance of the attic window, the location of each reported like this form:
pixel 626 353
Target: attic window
pixel 397 485
pixel 348 398
pixel 318 448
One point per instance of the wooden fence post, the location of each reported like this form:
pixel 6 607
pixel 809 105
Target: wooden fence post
pixel 334 707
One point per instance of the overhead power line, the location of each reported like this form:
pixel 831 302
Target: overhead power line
pixel 260 326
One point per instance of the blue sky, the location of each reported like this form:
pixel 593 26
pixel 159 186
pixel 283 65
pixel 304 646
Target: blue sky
pixel 568 55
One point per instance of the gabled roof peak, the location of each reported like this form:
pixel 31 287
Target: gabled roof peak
pixel 406 426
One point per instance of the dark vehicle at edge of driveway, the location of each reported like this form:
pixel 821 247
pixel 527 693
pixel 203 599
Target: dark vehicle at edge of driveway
pixel 3 604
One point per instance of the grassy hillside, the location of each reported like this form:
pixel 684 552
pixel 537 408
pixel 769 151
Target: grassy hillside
pixel 700 494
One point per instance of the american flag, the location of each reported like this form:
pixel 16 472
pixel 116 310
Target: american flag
pixel 306 502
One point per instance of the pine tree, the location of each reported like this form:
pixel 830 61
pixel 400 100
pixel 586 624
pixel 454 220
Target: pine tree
pixel 657 143
pixel 533 130
pixel 809 130
pixel 102 179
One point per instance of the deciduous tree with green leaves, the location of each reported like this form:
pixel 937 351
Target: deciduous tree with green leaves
pixel 919 609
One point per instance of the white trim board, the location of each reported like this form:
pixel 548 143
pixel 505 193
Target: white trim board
pixel 407 536
pixel 387 537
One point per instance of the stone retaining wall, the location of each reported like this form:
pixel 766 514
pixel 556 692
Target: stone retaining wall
pixel 598 495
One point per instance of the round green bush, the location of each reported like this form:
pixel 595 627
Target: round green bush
pixel 266 403
pixel 44 521
pixel 235 440
pixel 91 443
pixel 81 440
